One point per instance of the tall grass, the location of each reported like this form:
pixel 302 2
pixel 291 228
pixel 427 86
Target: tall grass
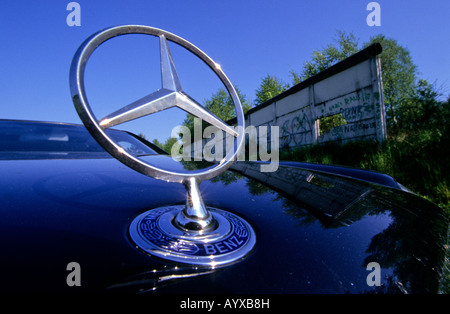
pixel 421 167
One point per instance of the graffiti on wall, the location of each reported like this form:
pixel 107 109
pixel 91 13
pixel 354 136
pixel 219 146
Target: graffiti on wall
pixel 297 130
pixel 357 109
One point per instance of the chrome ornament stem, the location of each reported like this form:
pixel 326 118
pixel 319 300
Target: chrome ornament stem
pixel 195 216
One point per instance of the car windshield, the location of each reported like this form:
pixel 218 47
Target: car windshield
pixel 32 138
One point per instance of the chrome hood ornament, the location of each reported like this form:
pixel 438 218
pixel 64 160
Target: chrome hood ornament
pixel 193 233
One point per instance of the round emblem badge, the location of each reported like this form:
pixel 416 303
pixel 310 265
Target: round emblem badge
pixel 155 233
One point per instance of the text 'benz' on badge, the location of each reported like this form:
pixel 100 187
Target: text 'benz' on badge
pixel 193 233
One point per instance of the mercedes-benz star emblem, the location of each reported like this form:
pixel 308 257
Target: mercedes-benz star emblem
pixel 190 233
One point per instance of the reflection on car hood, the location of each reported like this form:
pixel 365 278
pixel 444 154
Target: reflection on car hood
pixel 316 232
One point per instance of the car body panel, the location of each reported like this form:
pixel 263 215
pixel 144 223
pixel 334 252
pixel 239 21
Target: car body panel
pixel 316 231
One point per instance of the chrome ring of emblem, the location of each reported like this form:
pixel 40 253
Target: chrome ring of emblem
pixel 193 234
pixel 170 95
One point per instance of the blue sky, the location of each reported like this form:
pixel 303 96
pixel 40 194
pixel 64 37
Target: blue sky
pixel 248 38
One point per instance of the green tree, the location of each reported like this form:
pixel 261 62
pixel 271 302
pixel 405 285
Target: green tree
pixel 270 87
pixel 221 105
pixel 399 78
pixel 142 135
pixel 327 123
pixel 167 145
pixel 422 110
pixel 155 141
pixel 345 45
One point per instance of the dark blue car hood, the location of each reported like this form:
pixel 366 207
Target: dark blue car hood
pixel 315 232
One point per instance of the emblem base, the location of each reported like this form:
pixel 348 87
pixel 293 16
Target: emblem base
pixel 155 232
